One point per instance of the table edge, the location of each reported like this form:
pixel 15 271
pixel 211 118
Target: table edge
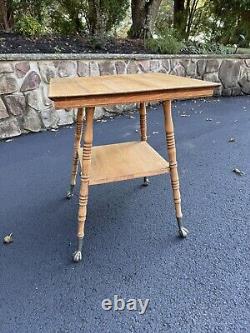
pixel 135 97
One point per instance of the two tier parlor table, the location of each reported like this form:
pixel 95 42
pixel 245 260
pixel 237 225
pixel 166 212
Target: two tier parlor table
pixel 129 160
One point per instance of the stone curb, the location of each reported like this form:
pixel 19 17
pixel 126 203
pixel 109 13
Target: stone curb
pixel 114 56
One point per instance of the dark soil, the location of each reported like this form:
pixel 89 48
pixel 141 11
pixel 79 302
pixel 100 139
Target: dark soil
pixel 14 43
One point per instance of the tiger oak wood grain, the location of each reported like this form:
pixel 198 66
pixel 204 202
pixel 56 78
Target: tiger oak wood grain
pixel 125 88
pixel 122 161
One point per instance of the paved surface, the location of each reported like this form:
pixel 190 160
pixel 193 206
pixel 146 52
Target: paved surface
pixel 200 284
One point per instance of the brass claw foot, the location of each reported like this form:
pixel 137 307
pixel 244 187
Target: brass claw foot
pixel 70 194
pixel 77 255
pixel 183 232
pixel 145 181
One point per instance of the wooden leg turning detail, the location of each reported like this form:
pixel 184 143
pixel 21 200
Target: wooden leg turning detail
pixel 77 142
pixel 169 128
pixel 84 187
pixel 143 127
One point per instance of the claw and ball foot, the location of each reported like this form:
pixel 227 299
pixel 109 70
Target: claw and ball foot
pixel 145 181
pixel 183 232
pixel 70 194
pixel 77 255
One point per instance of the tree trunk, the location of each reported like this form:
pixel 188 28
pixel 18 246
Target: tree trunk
pixel 6 15
pixel 179 16
pixel 94 18
pixel 144 13
pixel 190 10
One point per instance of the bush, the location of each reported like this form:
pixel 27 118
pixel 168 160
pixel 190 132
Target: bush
pixel 167 43
pixel 170 43
pixel 29 26
pixel 96 43
pixel 194 47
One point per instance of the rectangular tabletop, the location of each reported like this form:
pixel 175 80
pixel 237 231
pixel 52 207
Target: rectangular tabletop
pixel 126 88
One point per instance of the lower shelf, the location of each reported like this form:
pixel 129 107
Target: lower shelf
pixel 122 161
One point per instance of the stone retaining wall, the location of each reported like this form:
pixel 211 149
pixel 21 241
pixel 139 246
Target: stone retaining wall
pixel 24 81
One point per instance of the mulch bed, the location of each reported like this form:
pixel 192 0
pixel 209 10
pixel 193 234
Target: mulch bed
pixel 14 43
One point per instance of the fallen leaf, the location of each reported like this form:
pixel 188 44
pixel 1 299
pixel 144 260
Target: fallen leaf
pixel 8 239
pixel 238 172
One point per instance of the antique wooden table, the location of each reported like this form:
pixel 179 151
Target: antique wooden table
pixel 116 162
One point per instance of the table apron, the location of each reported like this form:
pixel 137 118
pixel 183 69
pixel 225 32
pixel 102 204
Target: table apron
pixel 111 99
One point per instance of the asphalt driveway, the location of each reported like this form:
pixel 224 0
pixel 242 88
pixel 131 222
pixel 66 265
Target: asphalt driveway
pixel 200 284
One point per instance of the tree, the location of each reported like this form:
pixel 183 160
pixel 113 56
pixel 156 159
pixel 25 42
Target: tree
pixel 179 15
pixel 6 15
pixel 97 17
pixel 184 16
pixel 74 9
pixel 231 20
pixel 144 13
pixel 102 15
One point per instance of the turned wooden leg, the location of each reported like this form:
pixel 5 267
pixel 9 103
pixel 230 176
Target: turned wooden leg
pixel 169 128
pixel 75 160
pixel 143 127
pixel 84 187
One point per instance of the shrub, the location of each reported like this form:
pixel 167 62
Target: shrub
pixel 166 43
pixel 96 43
pixel 194 47
pixel 29 26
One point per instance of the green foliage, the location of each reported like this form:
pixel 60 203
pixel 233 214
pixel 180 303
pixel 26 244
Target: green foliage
pixel 169 41
pixel 104 15
pixel 86 16
pixel 171 45
pixel 166 43
pixel 96 43
pixel 164 17
pixel 233 17
pixel 62 24
pixel 115 11
pixel 66 16
pixel 215 22
pixel 226 22
pixel 192 47
pixel 29 26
